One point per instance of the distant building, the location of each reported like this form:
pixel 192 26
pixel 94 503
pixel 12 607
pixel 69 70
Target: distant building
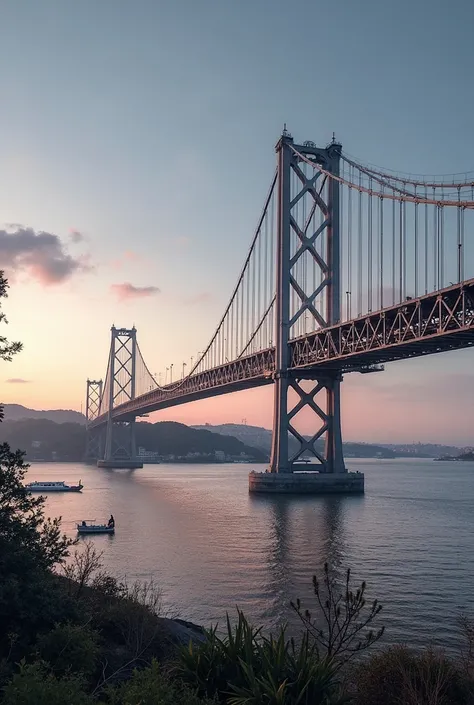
pixel 220 455
pixel 145 454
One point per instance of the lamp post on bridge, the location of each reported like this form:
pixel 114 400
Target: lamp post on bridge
pixel 171 373
pixel 184 365
pixel 348 305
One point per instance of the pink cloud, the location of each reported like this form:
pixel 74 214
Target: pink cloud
pixel 127 291
pixel 41 254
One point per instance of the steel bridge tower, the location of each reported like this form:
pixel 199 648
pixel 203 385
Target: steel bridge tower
pixel 120 446
pixel 94 436
pixel 294 184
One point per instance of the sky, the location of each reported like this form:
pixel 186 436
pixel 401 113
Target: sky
pixel 136 150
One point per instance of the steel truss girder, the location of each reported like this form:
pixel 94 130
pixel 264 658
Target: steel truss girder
pixel 432 323
pixel 435 322
pixel 258 365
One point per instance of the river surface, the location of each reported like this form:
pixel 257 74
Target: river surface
pixel 211 546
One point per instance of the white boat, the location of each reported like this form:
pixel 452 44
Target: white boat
pixel 53 487
pixel 84 528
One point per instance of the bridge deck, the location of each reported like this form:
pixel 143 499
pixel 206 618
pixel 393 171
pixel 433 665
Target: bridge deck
pixel 437 322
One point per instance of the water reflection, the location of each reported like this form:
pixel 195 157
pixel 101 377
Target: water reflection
pixel 211 545
pixel 305 533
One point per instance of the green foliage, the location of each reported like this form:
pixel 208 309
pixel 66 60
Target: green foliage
pixel 342 627
pixel 70 648
pixel 34 685
pixel 286 674
pixel 399 675
pixel 23 526
pixel 151 687
pixel 30 545
pixel 211 665
pixel 7 349
pixel 245 668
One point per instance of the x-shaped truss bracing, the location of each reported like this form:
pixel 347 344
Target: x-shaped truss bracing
pixel 307 288
pixel 120 436
pixel 307 399
pixel 93 435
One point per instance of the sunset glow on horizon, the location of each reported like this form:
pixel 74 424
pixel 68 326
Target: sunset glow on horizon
pixel 134 198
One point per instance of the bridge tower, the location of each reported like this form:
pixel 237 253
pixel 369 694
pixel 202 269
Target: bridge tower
pixel 120 445
pixel 94 436
pixel 294 390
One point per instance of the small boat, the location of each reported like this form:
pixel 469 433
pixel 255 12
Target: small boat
pixel 84 528
pixel 53 487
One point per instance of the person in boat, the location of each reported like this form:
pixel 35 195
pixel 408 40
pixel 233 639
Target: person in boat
pixel 111 521
pixel 83 523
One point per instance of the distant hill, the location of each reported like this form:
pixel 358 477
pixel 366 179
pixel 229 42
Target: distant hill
pixel 43 439
pixel 16 412
pixel 261 438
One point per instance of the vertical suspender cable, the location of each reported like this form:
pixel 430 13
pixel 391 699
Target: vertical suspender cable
pixel 416 247
pixel 394 250
pixel 400 251
pixel 369 248
pixel 435 245
pixel 381 204
pixel 404 247
pixel 426 242
pixel 441 237
pixel 349 244
pixel 458 225
pixel 359 258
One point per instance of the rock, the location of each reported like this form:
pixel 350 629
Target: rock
pixel 182 632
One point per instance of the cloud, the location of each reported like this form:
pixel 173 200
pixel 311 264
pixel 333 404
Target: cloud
pixel 76 236
pixel 17 380
pixel 129 291
pixel 42 255
pixel 200 298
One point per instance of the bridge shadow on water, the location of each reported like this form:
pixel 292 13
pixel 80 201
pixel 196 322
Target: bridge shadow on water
pixel 306 532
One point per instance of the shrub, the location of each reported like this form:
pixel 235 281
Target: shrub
pixel 211 665
pixel 34 685
pixel 151 687
pixel 343 626
pixel 400 675
pixel 245 668
pixel 70 648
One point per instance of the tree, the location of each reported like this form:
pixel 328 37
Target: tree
pixel 23 525
pixel 30 544
pixel 7 349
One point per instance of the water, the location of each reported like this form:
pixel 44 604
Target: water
pixel 212 546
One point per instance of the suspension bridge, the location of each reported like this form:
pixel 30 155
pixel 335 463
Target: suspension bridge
pixel 350 267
